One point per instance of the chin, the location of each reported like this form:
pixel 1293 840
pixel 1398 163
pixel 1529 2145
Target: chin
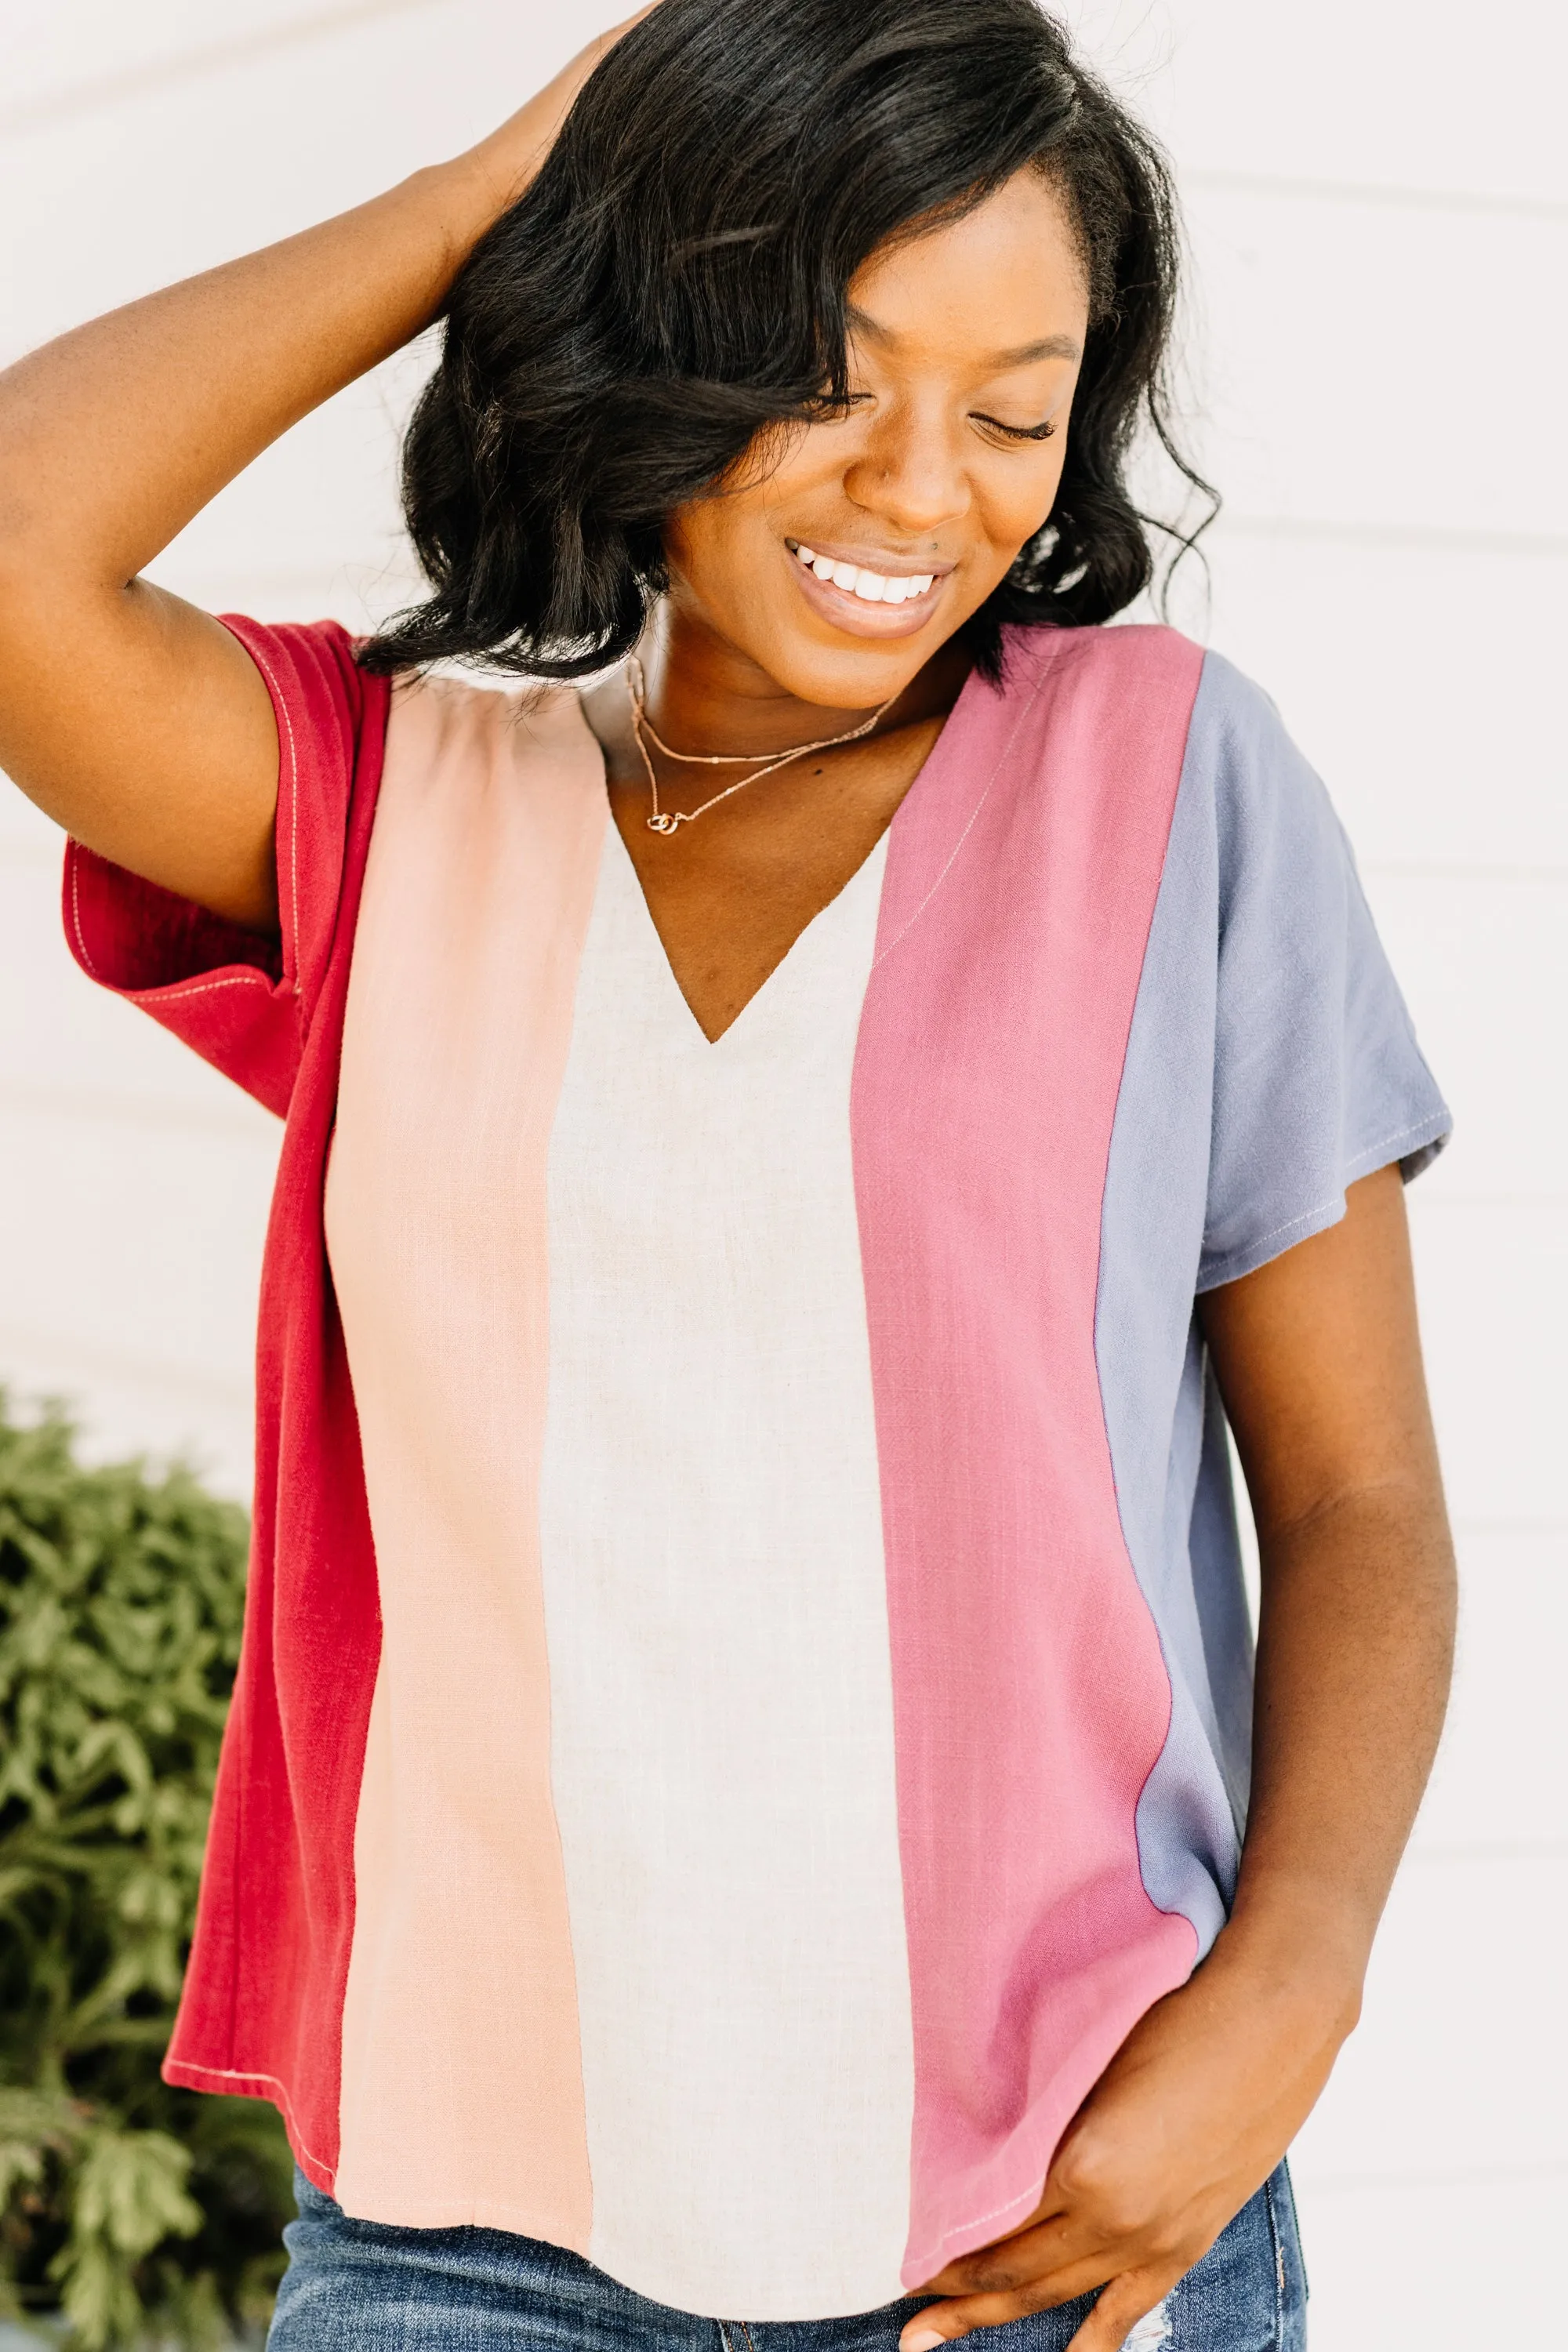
pixel 853 676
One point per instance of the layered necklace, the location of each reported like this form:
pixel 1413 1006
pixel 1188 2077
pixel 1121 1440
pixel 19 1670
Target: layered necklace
pixel 670 820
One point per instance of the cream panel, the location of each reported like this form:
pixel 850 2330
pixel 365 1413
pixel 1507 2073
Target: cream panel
pixel 717 1604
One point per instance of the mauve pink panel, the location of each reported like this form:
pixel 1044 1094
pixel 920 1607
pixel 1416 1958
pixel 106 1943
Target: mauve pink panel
pixel 1030 1697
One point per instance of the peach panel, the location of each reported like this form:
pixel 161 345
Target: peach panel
pixel 462 2094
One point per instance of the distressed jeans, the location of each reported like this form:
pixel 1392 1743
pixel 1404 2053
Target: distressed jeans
pixel 358 2286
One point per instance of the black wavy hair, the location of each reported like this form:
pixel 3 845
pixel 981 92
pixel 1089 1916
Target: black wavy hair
pixel 673 283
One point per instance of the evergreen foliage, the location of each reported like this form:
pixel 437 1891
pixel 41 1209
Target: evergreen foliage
pixel 134 2213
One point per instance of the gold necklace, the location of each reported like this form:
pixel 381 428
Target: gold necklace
pixel 668 821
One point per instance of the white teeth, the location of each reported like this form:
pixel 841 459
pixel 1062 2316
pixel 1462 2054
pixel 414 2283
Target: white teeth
pixel 870 587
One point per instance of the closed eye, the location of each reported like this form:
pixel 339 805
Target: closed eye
pixel 833 412
pixel 1018 432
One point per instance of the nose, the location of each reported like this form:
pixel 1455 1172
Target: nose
pixel 908 471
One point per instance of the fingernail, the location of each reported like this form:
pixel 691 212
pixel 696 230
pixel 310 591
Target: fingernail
pixel 920 2339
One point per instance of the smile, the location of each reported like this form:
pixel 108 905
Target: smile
pixel 858 580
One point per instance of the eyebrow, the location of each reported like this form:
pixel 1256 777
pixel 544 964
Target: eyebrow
pixel 1050 347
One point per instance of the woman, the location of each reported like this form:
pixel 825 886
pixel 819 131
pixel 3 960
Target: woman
pixel 747 1709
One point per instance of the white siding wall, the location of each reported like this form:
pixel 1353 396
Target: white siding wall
pixel 1378 200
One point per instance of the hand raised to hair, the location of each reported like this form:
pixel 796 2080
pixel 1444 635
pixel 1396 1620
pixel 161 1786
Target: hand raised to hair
pixel 514 152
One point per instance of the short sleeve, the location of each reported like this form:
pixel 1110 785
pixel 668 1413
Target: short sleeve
pixel 1318 1077
pixel 241 1000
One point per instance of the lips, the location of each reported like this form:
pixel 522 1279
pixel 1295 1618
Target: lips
pixel 882 600
pixel 859 580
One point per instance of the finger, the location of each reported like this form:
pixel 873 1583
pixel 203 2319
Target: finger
pixel 943 2323
pixel 1029 2253
pixel 1132 2296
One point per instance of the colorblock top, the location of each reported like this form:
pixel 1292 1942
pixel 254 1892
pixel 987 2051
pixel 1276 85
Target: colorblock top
pixel 746 1687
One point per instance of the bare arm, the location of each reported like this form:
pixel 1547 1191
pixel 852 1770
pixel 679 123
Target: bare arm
pixel 1319 1359
pixel 129 716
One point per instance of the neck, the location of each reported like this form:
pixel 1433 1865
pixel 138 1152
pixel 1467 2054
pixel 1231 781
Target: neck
pixel 705 694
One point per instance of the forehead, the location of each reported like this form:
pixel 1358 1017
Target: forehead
pixel 1006 274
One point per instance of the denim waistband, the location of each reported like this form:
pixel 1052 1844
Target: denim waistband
pixel 365 2286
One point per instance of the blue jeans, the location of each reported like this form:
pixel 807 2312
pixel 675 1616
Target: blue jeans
pixel 358 2286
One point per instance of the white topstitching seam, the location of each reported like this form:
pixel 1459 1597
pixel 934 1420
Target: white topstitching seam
pixel 82 949
pixel 977 2220
pixel 1307 1215
pixel 1321 1205
pixel 1273 1234
pixel 253 2075
pixel 171 989
pixel 1398 1136
pixel 898 937
pixel 281 707
pixel 205 987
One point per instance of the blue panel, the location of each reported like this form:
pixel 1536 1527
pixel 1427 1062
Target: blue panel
pixel 1270 1061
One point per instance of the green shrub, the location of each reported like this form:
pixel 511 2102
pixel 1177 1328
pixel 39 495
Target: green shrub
pixel 133 2212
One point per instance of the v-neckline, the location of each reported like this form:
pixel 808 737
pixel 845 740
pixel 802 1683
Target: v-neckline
pixel 788 965
pixel 930 767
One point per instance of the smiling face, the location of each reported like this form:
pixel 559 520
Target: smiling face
pixel 840 567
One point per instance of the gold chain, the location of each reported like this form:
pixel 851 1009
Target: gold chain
pixel 668 821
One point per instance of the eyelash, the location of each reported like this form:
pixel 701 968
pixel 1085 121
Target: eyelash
pixel 1019 432
pixel 1046 432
